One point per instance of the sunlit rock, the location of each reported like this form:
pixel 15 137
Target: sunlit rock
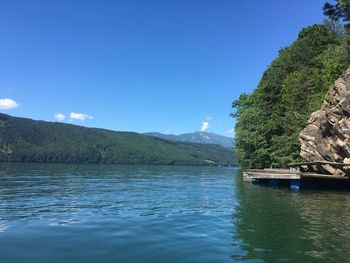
pixel 327 135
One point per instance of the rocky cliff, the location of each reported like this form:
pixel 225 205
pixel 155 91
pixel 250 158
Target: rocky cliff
pixel 327 135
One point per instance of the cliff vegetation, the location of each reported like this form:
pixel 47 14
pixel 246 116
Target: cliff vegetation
pixel 269 120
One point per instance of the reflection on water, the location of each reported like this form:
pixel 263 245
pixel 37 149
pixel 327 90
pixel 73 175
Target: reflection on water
pixel 77 213
pixel 91 213
pixel 276 224
pixel 75 193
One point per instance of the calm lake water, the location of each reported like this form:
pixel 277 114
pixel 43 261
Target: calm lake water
pixel 90 213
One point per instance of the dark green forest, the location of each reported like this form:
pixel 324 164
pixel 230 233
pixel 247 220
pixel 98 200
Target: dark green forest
pixel 269 120
pixel 26 140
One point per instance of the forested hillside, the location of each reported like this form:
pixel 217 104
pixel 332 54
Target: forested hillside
pixel 26 140
pixel 197 137
pixel 269 120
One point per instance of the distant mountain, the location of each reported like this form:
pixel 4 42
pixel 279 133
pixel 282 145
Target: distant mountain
pixel 196 137
pixel 26 140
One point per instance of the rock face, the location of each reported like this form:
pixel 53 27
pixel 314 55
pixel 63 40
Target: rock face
pixel 327 135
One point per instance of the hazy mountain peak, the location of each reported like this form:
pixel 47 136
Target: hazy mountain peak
pixel 196 137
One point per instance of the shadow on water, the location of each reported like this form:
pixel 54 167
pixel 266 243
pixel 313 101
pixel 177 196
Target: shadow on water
pixel 274 224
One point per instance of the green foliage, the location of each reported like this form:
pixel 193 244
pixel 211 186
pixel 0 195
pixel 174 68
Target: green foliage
pixel 340 10
pixel 25 140
pixel 269 120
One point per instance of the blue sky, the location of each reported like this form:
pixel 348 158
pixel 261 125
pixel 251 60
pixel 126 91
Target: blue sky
pixel 141 65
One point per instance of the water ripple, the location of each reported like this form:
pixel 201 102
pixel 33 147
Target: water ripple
pixel 88 213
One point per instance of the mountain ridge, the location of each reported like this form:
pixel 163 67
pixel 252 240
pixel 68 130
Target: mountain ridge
pixel 197 137
pixel 27 140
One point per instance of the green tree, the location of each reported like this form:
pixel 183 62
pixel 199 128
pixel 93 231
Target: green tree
pixel 269 120
pixel 25 140
pixel 340 10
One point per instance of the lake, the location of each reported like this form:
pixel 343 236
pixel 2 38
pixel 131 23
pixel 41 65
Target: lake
pixel 92 213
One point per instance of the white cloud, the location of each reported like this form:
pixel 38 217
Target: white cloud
pixel 7 104
pixel 79 116
pixel 205 126
pixel 231 131
pixel 59 117
pixel 208 118
pixel 168 131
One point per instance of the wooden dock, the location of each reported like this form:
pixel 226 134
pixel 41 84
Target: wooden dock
pixel 295 175
pixel 284 174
